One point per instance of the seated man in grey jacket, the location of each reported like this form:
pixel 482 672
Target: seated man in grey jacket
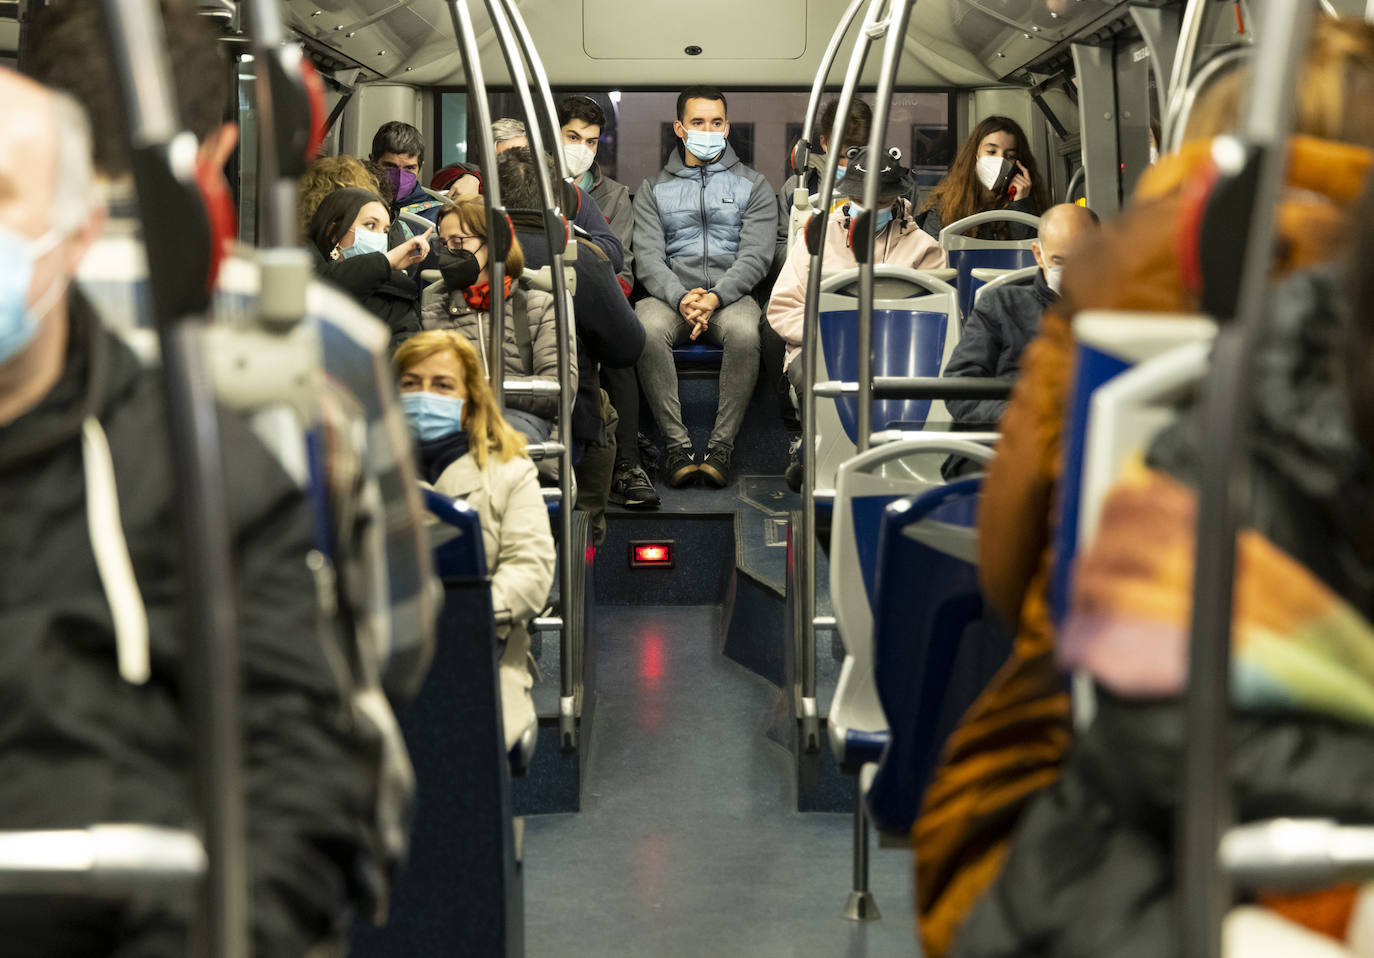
pixel 1006 319
pixel 705 229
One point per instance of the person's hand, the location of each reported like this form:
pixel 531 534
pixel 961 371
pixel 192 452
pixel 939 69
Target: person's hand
pixel 1020 183
pixel 411 252
pixel 687 307
pixel 706 305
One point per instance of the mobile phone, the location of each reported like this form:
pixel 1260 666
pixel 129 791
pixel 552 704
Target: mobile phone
pixel 1004 177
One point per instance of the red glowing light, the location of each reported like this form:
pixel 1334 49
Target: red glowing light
pixel 658 554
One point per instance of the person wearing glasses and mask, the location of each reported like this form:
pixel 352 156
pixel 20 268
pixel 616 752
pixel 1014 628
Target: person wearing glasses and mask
pixel 462 302
pixel 349 235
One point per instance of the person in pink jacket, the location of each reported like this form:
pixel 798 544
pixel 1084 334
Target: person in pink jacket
pixel 899 242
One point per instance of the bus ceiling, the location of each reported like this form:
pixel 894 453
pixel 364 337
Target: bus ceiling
pixel 768 43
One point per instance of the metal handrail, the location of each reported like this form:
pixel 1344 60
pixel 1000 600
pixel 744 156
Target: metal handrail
pixel 517 46
pixel 498 236
pixel 1259 156
pixel 176 239
pixel 810 333
pixel 832 48
pixel 1190 32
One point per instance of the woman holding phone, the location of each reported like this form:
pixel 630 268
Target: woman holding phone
pixel 994 170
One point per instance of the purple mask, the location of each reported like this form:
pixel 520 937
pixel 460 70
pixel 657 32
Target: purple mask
pixel 403 180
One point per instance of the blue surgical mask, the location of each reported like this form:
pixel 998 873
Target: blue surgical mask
pixel 881 219
pixel 840 172
pixel 432 416
pixel 705 145
pixel 18 321
pixel 365 241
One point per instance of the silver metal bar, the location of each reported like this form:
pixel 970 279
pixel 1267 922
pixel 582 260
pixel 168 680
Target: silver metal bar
pixel 923 387
pixel 861 905
pixel 549 624
pixel 538 451
pixel 162 161
pixel 1203 890
pixel 552 495
pixel 517 46
pixel 813 106
pixel 491 183
pixel 893 30
pixel 105 861
pixel 809 358
pixel 1181 70
pixel 532 387
pixel 1298 853
pixel 824 622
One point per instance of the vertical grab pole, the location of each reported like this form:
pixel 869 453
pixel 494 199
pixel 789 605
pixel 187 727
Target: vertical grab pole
pixel 498 224
pixel 1189 33
pixel 861 904
pixel 515 41
pixel 815 233
pixel 1204 813
pixel 832 49
pixel 176 237
pixel 898 13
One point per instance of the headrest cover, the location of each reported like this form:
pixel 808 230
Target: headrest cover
pixel 893 178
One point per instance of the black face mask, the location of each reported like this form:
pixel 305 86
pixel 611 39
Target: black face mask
pixel 460 269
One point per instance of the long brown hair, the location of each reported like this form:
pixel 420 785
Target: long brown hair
pixel 481 416
pixel 962 194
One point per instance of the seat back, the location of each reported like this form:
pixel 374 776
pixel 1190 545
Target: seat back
pixel 458 892
pixel 865 486
pixel 1108 344
pixel 993 278
pixel 935 643
pixel 967 253
pixel 915 329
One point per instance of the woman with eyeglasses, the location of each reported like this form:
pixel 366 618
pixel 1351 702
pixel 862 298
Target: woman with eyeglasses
pixel 349 235
pixel 463 303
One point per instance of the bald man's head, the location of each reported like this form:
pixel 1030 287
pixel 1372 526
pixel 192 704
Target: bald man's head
pixel 1063 229
pixel 28 155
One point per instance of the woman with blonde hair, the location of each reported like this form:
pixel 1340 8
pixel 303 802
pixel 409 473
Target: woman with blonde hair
pixel 324 176
pixel 469 452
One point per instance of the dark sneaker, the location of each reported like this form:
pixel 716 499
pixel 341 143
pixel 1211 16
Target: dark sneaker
pixel 632 489
pixel 679 468
pixel 715 468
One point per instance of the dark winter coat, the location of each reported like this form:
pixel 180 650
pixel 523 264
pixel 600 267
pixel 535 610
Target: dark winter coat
pixel 79 745
pixel 1002 323
pixel 389 294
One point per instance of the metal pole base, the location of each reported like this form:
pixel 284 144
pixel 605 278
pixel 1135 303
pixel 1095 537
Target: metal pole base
pixel 861 907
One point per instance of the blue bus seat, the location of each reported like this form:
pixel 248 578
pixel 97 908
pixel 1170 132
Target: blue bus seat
pixel 929 617
pixel 458 891
pixel 993 278
pixel 698 354
pixel 866 485
pixel 966 253
pixel 915 329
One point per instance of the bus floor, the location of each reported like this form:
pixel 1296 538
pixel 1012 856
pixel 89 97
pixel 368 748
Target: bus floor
pixel 688 843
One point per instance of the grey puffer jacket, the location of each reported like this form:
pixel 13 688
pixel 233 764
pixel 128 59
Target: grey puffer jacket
pixel 537 360
pixel 711 226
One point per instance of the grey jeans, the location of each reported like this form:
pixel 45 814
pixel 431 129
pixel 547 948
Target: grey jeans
pixel 736 329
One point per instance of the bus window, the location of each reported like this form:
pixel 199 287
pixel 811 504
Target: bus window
pixel 763 126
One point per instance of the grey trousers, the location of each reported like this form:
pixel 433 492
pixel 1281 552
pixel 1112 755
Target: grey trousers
pixel 736 329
